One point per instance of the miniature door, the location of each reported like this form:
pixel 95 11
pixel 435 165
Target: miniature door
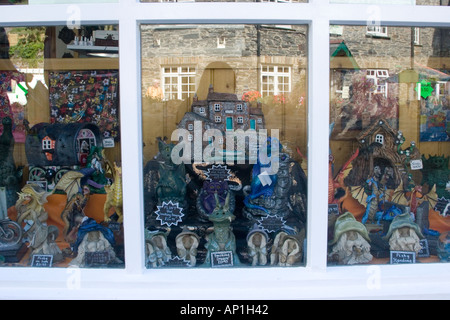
pixel 85 140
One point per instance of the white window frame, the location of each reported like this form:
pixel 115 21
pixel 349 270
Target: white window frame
pixel 274 76
pixel 378 75
pixel 377 30
pixel 316 279
pixel 179 75
pixel 379 138
pixel 240 119
pixel 417 36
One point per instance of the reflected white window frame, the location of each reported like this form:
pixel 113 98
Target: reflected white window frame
pixel 316 280
pixel 378 31
pixel 174 90
pixel 271 78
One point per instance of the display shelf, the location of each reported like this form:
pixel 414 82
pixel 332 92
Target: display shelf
pixel 96 49
pixel 81 64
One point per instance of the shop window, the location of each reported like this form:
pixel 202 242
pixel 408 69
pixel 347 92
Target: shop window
pixel 59 110
pixel 383 132
pixel 236 211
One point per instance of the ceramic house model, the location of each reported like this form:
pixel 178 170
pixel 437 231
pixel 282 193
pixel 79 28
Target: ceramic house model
pixel 224 112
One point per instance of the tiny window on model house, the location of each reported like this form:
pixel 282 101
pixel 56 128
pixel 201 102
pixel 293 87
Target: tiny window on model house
pixel 48 146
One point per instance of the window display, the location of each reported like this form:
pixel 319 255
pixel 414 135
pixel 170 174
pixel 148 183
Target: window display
pixel 389 144
pixel 224 144
pixel 60 189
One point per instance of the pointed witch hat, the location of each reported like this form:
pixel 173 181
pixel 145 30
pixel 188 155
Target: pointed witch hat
pixel 345 223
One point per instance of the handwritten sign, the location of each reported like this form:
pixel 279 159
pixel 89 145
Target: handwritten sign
pixel 169 213
pixel 42 260
pixel 177 262
pixel 416 164
pixel 397 257
pixel 108 143
pixel 218 173
pixel 97 258
pixel 333 208
pixel 425 251
pixel 221 259
pixel 271 223
pixel 114 226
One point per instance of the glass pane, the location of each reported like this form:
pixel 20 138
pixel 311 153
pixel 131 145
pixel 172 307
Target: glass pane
pixel 280 1
pixel 396 2
pixel 213 200
pixel 389 145
pixel 60 140
pixel 12 2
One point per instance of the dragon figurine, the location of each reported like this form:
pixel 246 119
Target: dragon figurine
pixel 258 187
pixel 30 210
pixel 114 196
pixel 172 177
pixel 222 238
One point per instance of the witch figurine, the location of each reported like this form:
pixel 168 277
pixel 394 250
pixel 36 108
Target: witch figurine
pixel 351 242
pixel 404 234
pixel 92 237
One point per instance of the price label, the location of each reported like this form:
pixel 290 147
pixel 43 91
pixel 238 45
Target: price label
pixel 397 257
pixel 169 213
pixel 221 259
pixel 42 260
pixel 416 164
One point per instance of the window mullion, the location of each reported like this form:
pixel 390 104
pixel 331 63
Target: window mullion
pixel 318 121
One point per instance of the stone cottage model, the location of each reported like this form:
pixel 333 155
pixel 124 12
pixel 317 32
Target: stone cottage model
pixel 224 112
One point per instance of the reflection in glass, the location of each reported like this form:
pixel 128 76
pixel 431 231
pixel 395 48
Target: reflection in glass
pixel 389 144
pixel 232 97
pixel 60 141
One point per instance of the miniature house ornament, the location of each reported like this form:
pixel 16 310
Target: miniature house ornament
pixel 404 234
pixel 350 244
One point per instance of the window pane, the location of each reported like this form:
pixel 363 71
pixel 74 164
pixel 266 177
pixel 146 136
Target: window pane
pixel 221 93
pixel 60 135
pixel 389 145
pixel 279 1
